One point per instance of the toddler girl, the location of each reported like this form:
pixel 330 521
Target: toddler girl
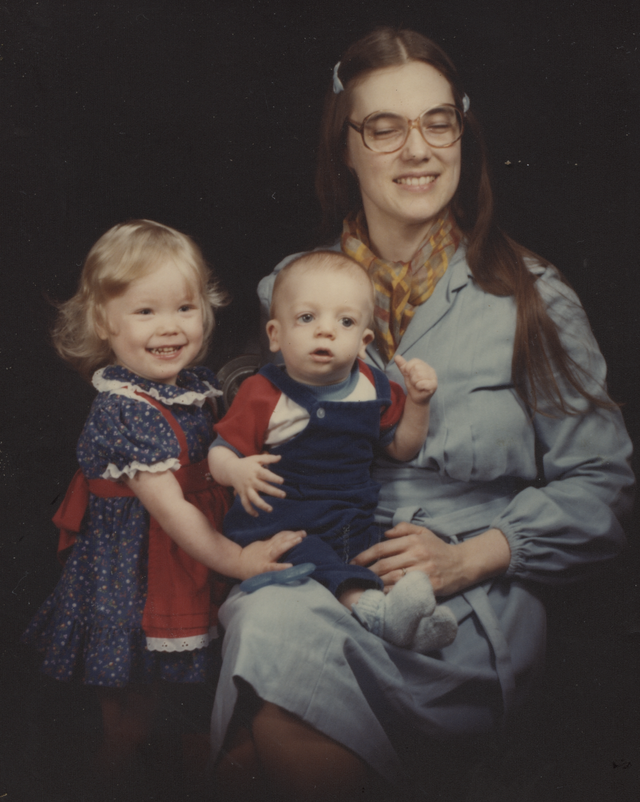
pixel 140 522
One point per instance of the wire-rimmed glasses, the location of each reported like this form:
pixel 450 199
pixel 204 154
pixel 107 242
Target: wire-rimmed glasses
pixel 386 132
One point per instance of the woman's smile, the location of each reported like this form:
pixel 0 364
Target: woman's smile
pixel 409 188
pixel 417 181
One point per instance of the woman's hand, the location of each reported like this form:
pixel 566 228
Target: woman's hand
pixel 450 567
pixel 263 555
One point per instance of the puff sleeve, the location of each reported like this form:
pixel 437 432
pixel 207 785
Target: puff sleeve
pixel 123 436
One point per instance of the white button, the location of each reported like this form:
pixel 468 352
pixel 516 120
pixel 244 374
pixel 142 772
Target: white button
pixel 320 413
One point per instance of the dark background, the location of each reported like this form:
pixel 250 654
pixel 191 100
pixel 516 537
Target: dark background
pixel 204 115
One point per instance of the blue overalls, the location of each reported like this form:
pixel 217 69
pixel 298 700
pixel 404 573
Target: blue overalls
pixel 330 493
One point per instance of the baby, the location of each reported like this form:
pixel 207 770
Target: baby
pixel 321 418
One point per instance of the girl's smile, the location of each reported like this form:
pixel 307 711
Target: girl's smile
pixel 155 327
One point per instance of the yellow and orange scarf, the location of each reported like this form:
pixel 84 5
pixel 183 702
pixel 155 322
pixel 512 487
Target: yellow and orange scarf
pixel 401 286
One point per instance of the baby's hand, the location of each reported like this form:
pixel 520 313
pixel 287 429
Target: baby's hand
pixel 420 379
pixel 263 555
pixel 251 477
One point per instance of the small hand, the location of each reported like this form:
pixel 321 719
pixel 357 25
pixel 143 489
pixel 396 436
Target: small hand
pixel 263 555
pixel 414 548
pixel 251 477
pixel 420 379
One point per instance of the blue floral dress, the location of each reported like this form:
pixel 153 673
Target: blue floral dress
pixel 90 626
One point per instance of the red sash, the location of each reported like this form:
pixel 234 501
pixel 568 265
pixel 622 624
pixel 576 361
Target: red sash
pixel 181 599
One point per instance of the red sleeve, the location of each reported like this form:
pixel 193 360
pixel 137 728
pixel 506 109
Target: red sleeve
pixel 392 414
pixel 245 424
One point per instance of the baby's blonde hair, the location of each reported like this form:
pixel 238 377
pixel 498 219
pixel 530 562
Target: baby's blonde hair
pixel 125 253
pixel 318 260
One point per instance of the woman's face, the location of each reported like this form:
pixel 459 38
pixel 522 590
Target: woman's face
pixel 410 187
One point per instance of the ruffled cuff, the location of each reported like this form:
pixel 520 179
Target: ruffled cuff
pixel 113 472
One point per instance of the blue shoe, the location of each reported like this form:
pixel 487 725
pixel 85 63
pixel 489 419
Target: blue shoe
pixel 286 577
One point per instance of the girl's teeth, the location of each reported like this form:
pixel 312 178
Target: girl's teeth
pixel 168 350
pixel 417 182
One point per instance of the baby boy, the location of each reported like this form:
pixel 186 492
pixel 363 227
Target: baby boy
pixel 321 418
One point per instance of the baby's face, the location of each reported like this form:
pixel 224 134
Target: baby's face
pixel 321 324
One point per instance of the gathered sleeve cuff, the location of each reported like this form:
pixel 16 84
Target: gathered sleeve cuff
pixel 572 519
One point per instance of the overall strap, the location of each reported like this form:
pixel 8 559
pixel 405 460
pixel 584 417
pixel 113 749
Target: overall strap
pixel 177 429
pixel 379 380
pixel 297 392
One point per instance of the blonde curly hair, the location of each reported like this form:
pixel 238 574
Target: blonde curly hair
pixel 123 254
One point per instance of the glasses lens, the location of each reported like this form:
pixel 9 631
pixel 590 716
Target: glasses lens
pixel 441 126
pixel 385 132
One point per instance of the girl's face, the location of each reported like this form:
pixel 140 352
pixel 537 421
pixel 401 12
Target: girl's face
pixel 155 327
pixel 412 186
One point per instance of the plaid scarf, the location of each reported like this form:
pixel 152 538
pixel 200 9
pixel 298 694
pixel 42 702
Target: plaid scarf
pixel 401 286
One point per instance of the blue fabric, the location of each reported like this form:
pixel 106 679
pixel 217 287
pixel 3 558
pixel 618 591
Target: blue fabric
pixel 90 626
pixel 478 469
pixel 330 494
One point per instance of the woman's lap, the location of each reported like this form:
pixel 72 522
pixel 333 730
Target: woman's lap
pixel 300 649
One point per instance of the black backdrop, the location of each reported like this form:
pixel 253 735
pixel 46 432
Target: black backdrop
pixel 204 115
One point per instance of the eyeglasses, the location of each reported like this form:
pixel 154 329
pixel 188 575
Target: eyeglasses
pixel 385 132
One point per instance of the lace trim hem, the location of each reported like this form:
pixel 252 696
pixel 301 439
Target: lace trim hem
pixel 188 644
pixel 113 472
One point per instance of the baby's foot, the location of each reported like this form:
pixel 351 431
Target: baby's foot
pixel 405 606
pixel 435 631
pixel 395 617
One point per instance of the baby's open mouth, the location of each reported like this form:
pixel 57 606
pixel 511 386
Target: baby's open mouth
pixel 322 352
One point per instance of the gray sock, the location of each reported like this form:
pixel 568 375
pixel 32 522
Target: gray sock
pixel 396 616
pixel 435 631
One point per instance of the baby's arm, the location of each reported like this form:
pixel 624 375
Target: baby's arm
pixel 162 496
pixel 247 475
pixel 421 383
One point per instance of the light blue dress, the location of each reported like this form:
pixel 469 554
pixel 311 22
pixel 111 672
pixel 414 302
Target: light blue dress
pixel 557 487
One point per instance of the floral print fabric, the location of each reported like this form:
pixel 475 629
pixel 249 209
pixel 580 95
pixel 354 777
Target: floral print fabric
pixel 90 627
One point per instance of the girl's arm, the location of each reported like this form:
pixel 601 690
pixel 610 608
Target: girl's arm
pixel 162 497
pixel 421 382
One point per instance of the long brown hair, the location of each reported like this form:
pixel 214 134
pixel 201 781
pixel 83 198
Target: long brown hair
pixel 540 364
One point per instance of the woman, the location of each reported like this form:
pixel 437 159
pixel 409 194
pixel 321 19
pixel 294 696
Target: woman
pixel 523 479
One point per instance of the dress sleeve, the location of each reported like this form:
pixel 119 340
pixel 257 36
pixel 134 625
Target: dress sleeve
pixel 571 520
pixel 123 436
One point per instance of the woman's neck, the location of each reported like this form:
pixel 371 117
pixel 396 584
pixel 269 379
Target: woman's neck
pixel 396 243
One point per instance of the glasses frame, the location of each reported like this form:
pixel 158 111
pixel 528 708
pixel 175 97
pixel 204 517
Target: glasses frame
pixel 412 124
